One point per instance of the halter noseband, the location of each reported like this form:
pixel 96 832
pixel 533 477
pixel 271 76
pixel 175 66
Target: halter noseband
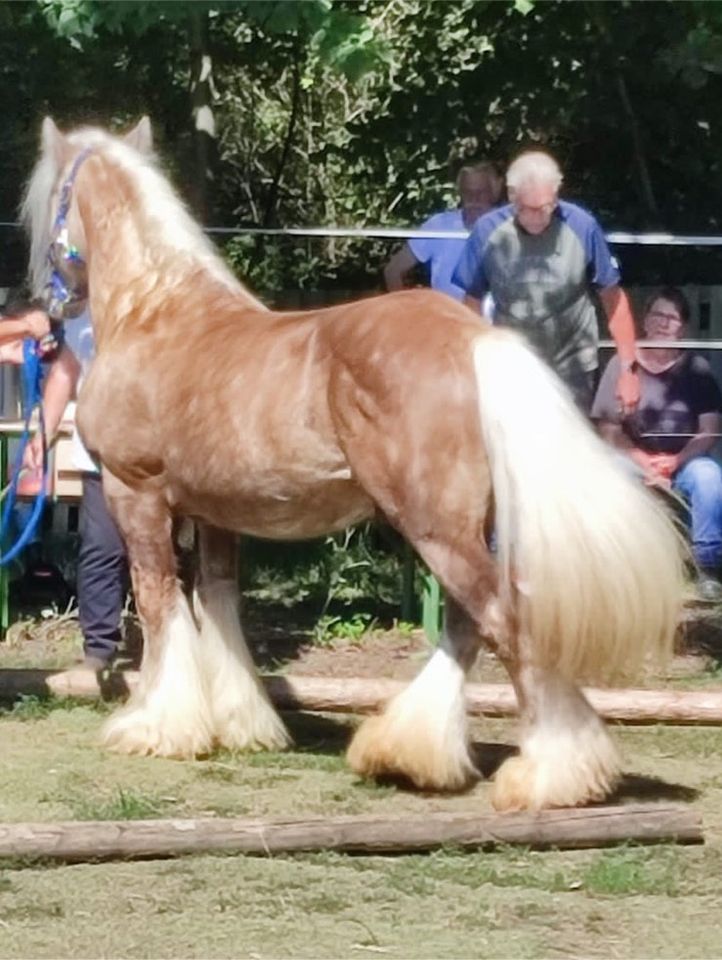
pixel 66 292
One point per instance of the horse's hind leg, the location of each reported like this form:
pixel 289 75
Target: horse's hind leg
pixel 566 757
pixel 243 717
pixel 422 733
pixel 168 714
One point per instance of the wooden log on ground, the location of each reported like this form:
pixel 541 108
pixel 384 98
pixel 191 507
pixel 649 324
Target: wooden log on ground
pixel 562 829
pixel 365 695
pixel 361 695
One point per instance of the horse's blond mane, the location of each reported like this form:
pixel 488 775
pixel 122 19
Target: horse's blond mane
pixel 36 214
pixel 167 224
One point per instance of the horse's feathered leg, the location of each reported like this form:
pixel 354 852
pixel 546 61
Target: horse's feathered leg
pixel 243 717
pixel 566 757
pixel 421 735
pixel 168 714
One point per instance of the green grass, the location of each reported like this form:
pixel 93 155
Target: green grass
pixel 31 707
pixel 631 872
pixel 121 804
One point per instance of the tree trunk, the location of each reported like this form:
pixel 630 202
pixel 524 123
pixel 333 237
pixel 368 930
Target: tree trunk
pixel 639 156
pixel 204 123
pixel 269 217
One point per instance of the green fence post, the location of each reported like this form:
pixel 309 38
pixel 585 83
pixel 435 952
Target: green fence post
pixel 432 608
pixel 408 593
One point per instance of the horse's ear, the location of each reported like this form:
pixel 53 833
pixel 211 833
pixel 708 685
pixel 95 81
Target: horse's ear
pixel 53 142
pixel 141 136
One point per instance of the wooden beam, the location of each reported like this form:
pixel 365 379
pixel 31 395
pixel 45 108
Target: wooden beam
pixel 562 829
pixel 365 695
pixel 361 695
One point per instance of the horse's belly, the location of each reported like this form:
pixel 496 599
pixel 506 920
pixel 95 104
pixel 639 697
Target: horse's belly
pixel 281 515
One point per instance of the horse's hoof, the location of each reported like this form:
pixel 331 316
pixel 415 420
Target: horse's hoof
pixel 137 731
pixel 381 749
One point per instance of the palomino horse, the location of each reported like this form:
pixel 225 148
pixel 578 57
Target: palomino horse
pixel 204 403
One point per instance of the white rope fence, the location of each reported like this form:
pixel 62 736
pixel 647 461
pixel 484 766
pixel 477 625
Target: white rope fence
pixel 400 233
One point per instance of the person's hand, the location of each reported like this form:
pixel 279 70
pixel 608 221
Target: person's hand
pixel 659 469
pixel 664 464
pixel 47 345
pixel 654 472
pixel 37 324
pixel 628 391
pixel 33 453
pixel 653 478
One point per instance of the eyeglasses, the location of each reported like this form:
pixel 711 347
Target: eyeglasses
pixel 662 316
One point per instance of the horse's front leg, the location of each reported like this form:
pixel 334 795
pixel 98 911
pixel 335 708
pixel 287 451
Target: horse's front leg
pixel 168 714
pixel 243 717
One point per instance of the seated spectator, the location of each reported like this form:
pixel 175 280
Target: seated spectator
pixel 480 188
pixel 671 433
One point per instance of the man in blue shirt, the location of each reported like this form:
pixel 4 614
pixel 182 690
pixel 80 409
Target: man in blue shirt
pixel 480 189
pixel 546 264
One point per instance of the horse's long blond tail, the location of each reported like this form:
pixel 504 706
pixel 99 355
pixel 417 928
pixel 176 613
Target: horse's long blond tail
pixel 589 558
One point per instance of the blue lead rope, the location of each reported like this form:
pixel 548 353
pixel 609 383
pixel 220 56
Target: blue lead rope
pixel 31 398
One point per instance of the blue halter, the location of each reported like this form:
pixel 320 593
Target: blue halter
pixel 64 295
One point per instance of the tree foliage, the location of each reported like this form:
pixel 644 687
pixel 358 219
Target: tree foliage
pixel 358 112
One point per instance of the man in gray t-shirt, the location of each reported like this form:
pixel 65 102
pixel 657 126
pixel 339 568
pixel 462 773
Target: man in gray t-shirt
pixel 547 266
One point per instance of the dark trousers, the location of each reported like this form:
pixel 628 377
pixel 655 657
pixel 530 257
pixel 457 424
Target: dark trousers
pixel 102 572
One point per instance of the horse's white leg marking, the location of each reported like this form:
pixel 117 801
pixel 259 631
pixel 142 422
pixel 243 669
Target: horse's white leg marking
pixel 566 758
pixel 168 714
pixel 243 717
pixel 422 733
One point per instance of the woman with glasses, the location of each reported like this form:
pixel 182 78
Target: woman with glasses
pixel 670 435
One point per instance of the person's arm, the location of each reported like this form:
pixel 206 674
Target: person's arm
pixel 469 273
pixel 708 429
pixel 12 352
pixel 621 326
pixel 33 324
pixel 60 388
pixel 396 270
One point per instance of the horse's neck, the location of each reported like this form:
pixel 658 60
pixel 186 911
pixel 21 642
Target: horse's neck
pixel 131 269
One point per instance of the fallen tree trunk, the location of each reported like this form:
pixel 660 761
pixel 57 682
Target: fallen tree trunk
pixel 562 829
pixel 363 695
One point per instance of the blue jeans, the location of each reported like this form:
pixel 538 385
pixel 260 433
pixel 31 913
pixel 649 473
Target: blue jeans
pixel 700 483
